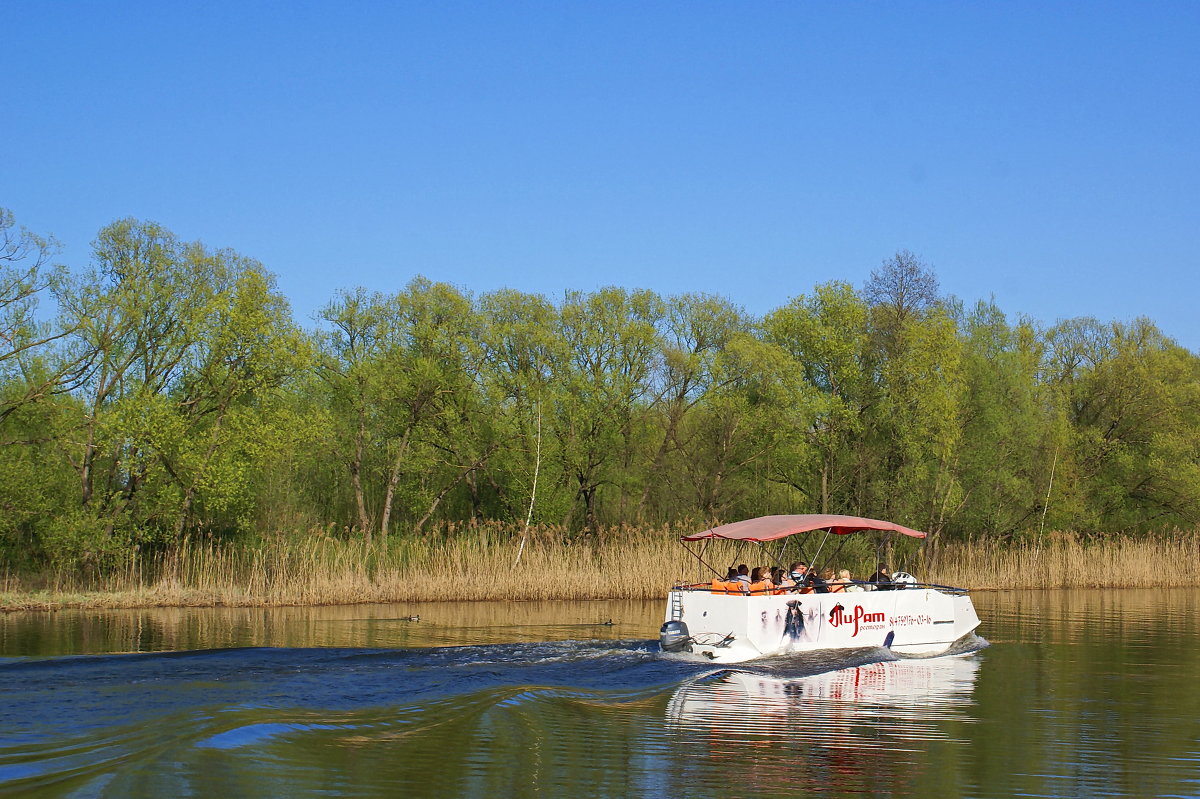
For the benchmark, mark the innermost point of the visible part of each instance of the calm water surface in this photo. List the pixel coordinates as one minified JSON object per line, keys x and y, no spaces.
{"x":1075,"y":694}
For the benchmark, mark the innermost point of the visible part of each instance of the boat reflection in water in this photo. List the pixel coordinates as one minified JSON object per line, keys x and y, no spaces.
{"x":851,"y":729}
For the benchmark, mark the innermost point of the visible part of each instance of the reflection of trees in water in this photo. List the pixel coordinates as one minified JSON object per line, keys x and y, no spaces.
{"x":1109,"y":673}
{"x":442,"y":624}
{"x":1166,"y":614}
{"x":854,"y":729}
{"x":1087,"y":693}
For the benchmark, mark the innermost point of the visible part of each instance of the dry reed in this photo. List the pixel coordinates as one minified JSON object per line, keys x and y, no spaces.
{"x":1072,"y":560}
{"x":477,"y":564}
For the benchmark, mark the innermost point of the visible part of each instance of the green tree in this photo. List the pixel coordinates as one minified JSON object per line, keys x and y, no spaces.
{"x":1134,"y":407}
{"x":1011,"y":431}
{"x":913,"y":428}
{"x":351,"y":350}
{"x":520,"y":345}
{"x":601,"y":386}
{"x":828,"y":337}
{"x":754,"y":416}
{"x":402,"y":371}
{"x":437,"y":432}
{"x":696,"y":329}
{"x":137,"y":313}
{"x":176,"y":338}
{"x":246,"y":348}
{"x":26,"y":275}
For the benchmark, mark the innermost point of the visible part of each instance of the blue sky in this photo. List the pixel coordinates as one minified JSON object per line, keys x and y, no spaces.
{"x":1043,"y":154}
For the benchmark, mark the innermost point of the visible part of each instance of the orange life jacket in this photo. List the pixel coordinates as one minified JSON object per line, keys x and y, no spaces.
{"x":761,"y":588}
{"x":727,"y":587}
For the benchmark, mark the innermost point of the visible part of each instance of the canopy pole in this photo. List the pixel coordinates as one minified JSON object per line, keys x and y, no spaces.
{"x":820,"y":547}
{"x":836,"y":551}
{"x":699,"y":556}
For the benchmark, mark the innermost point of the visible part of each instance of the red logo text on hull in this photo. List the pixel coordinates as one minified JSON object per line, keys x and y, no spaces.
{"x":838,"y":616}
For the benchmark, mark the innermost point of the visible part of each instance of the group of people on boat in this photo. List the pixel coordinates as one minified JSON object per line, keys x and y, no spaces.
{"x":798,"y":579}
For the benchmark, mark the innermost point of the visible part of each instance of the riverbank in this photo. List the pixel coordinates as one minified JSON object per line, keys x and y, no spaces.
{"x":317,"y":569}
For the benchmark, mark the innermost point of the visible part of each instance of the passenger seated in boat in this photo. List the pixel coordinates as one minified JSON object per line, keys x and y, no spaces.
{"x":798,"y":571}
{"x":882,"y":578}
{"x":847,"y":582}
{"x":743,"y":577}
{"x":729,"y":585}
{"x":837,"y":584}
{"x":760,"y":581}
{"x":818,"y":581}
{"x":780,"y":580}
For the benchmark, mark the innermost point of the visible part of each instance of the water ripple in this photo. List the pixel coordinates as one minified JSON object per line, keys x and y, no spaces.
{"x":105,"y":724}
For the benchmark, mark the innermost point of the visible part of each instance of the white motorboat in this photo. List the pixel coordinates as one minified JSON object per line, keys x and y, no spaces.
{"x":730,"y":624}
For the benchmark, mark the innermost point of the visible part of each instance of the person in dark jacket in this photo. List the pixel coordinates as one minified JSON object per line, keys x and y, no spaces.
{"x":882,"y":578}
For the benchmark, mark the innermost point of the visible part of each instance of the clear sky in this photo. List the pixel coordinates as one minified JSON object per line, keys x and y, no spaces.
{"x":1046,"y":154}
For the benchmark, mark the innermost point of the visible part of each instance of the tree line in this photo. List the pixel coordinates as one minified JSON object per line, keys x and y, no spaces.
{"x":172,"y":394}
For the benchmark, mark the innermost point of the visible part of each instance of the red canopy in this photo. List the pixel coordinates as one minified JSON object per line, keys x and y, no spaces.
{"x":769,"y":528}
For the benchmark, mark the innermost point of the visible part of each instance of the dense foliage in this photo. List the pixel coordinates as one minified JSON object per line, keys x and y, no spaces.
{"x":173,"y":395}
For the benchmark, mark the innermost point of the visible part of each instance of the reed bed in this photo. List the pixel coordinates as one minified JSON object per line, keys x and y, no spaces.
{"x":1073,"y":560}
{"x":626,"y":563}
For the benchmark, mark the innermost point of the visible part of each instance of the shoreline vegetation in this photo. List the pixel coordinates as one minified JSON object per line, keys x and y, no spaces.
{"x":478,"y":565}
{"x":171,"y":435}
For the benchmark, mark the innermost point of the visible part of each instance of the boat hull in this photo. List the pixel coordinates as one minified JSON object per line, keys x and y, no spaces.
{"x":730,"y":628}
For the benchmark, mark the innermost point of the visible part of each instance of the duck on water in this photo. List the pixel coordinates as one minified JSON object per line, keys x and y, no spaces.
{"x":730,"y":622}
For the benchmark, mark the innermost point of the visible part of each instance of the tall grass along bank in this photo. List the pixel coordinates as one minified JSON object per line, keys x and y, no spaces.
{"x":481,"y":564}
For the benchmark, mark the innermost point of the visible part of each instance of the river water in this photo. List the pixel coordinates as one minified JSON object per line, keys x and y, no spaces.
{"x":1067,"y":694}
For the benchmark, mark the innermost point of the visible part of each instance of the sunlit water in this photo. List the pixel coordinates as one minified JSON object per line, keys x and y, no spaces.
{"x":1078,"y":694}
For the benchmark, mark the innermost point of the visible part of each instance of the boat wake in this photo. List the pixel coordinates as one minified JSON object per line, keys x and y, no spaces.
{"x":275,"y":720}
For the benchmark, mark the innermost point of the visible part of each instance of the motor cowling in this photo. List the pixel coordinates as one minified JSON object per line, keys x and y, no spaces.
{"x":673,"y":637}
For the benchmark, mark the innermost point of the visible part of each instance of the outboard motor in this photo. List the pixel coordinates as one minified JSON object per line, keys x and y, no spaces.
{"x":673,"y":637}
